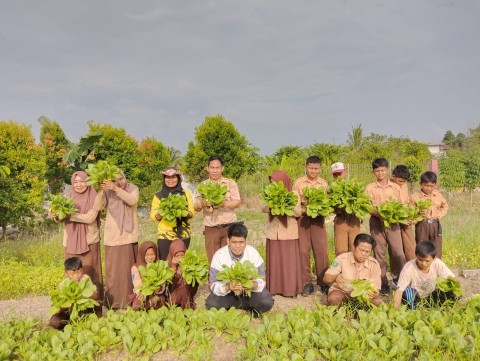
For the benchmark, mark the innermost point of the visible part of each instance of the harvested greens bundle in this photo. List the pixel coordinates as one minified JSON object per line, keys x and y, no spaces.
{"x":317,"y":202}
{"x":239,"y":273}
{"x":351,"y":197}
{"x":212,"y":192}
{"x":194,"y":268}
{"x":279,"y":199}
{"x":101,"y":171}
{"x":360,"y":291}
{"x":392,"y":211}
{"x":74,"y":296}
{"x":420,"y":205}
{"x":61,"y":206}
{"x":449,"y":284}
{"x":172,"y":207}
{"x":154,"y":275}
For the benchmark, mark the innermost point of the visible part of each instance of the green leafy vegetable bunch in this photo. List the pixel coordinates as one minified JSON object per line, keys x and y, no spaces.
{"x":414,"y":210}
{"x":194,"y":268}
{"x":393,"y":211}
{"x":212,"y":192}
{"x":74,"y":296}
{"x":361,"y":289}
{"x":61,"y":206}
{"x":154,"y":275}
{"x":100,"y":172}
{"x":239,"y":273}
{"x":449,"y":284}
{"x":279,"y":199}
{"x":317,"y":202}
{"x":350,"y":196}
{"x":172,"y":207}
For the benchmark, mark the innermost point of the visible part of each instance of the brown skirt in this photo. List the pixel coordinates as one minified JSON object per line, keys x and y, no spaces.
{"x":283,"y":267}
{"x":92,"y":265}
{"x":181,"y":293}
{"x":118,"y":263}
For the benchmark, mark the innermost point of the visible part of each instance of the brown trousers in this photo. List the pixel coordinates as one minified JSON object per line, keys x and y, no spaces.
{"x":346,"y":227}
{"x":215,"y":238}
{"x":336,"y":297}
{"x":432,"y":232}
{"x":409,"y":244}
{"x":392,"y":237}
{"x":313,"y":236}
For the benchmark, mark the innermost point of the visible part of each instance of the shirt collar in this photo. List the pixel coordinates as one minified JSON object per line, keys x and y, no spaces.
{"x":365,"y":264}
{"x":233,"y":257}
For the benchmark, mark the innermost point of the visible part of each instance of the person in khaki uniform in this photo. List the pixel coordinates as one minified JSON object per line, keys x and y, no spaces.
{"x":345,"y":226}
{"x":400,"y":176}
{"x":312,"y":231}
{"x":430,"y":229}
{"x":381,"y":191}
{"x":350,"y":266}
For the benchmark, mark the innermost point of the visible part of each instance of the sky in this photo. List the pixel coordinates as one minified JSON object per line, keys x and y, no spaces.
{"x":283,"y":72}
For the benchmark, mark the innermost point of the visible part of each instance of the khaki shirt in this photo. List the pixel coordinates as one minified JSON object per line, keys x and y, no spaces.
{"x":90,"y":219}
{"x":276,"y":230}
{"x":304,"y":182}
{"x":222,"y":215}
{"x":380,"y":194}
{"x":344,"y":264}
{"x":439,"y":206}
{"x":404,"y":197}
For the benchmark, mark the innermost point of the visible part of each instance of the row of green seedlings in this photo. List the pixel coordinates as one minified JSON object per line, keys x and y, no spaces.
{"x":326,"y":333}
{"x":345,"y":195}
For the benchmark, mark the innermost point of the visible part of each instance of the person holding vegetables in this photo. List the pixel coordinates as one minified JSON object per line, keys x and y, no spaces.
{"x":170,"y":199}
{"x":236,"y":276}
{"x":217,"y":197}
{"x":351,"y":266}
{"x":284,"y":272}
{"x":312,"y":233}
{"x":380,"y":192}
{"x":122,"y":232}
{"x":81,"y":235}
{"x":430,"y":228}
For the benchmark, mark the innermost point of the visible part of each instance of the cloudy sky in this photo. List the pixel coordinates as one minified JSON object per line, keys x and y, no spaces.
{"x":284,"y":72}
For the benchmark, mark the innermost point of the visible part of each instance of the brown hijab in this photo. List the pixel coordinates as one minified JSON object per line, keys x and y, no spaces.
{"x":120,"y":211}
{"x":176,"y":246}
{"x":142,"y":249}
{"x":277,"y":176}
{"x":77,"y":232}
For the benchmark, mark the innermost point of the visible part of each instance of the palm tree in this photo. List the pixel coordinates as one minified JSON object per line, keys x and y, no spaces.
{"x":355,"y":138}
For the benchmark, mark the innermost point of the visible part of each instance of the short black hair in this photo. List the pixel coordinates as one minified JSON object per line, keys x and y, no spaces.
{"x":401,"y":171}
{"x":379,"y":162}
{"x":237,"y":230}
{"x":428,"y":177}
{"x":364,"y":238}
{"x":313,"y":159}
{"x":425,"y":248}
{"x":73,"y":264}
{"x":215,"y":157}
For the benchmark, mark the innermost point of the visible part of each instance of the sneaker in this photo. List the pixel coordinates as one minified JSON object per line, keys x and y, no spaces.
{"x":324,"y":289}
{"x":385,"y":290}
{"x":307,"y":290}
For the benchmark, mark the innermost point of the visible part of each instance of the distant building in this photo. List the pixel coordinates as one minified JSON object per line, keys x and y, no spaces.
{"x":437,"y":149}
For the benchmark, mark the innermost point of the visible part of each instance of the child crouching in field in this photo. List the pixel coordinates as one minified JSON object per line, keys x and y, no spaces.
{"x":73,"y":272}
{"x":430,"y":228}
{"x":147,"y":253}
{"x":417,"y":279}
{"x":181,"y":293}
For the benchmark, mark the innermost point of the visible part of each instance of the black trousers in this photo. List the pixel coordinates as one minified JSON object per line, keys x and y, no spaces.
{"x":259,"y":302}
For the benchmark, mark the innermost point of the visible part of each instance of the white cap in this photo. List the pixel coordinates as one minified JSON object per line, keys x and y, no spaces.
{"x":338,"y":167}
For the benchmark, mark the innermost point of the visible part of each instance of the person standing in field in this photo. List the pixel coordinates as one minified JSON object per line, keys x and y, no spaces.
{"x":345,"y":226}
{"x":284,"y":270}
{"x":430,"y":229}
{"x":168,"y":232}
{"x":81,"y":235}
{"x":400,"y":176}
{"x":312,"y":231}
{"x":380,"y":192}
{"x":122,"y":232}
{"x":217,"y":219}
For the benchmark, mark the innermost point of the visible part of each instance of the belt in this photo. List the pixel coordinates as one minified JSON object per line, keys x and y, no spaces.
{"x":431,"y":220}
{"x":225,"y":225}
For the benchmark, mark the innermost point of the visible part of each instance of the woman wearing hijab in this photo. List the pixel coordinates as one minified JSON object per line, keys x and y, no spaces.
{"x":181,"y":293}
{"x":283,"y":253}
{"x":147,"y":253}
{"x":120,"y":199}
{"x":81,"y":236}
{"x":180,"y":229}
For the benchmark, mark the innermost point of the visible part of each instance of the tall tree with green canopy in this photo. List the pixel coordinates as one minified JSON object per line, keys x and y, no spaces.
{"x":154,"y":157}
{"x":218,"y":136}
{"x":21,"y":191}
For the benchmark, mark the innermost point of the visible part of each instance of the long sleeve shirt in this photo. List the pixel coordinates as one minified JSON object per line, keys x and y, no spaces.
{"x":225,"y":257}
